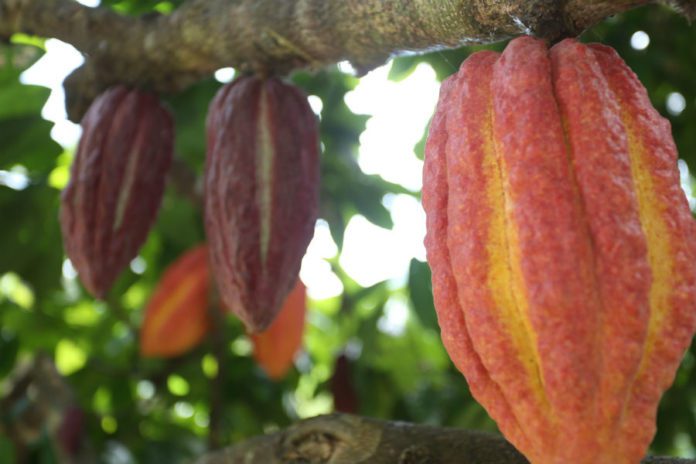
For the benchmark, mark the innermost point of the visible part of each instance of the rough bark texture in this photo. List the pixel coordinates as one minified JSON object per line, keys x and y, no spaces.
{"x":346,"y":439}
{"x":169,"y":52}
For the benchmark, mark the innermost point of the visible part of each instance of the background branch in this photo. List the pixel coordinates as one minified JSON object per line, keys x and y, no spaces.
{"x":343,"y":439}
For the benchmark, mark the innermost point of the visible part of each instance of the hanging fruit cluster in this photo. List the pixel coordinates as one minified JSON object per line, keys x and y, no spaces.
{"x":179,"y":316}
{"x":560,"y":241}
{"x":261,"y":202}
{"x":562,"y":248}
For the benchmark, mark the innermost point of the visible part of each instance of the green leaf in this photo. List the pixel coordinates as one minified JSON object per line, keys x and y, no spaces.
{"x":30,"y":244}
{"x":25,"y":137}
{"x":190,"y":109}
{"x":19,"y":99}
{"x":402,"y":67}
{"x":7,"y":450}
{"x":26,"y":141}
{"x":9,"y":346}
{"x":367,"y":202}
{"x":420,"y":289}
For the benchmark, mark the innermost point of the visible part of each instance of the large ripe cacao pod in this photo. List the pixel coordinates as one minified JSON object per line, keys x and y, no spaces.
{"x":116,"y":184}
{"x":562,"y":248}
{"x":177,"y":315}
{"x":261,"y":193}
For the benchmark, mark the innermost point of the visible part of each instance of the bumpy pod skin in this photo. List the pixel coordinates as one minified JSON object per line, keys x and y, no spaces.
{"x":262,"y":193}
{"x":116,"y":184}
{"x":561,"y":246}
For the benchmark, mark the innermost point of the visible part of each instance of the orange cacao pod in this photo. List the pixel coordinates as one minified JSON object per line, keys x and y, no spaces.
{"x":261,"y":198}
{"x":275,"y":348}
{"x":176,"y":318}
{"x":116,"y":184}
{"x":562,"y":248}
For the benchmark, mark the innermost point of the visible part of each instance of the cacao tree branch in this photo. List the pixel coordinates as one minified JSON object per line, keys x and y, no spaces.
{"x":169,"y":52}
{"x":685,"y":7}
{"x":343,"y":438}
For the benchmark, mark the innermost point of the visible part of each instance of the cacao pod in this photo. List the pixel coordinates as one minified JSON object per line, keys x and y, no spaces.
{"x":70,"y":434}
{"x":562,"y":248}
{"x":275,"y":348}
{"x":345,"y":396}
{"x":176,"y":318}
{"x":261,"y":193}
{"x":116,"y":184}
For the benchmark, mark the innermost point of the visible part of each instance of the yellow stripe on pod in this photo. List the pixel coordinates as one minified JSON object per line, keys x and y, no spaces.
{"x":451,"y":314}
{"x":549,"y":251}
{"x":475,"y":244}
{"x":599,"y":154}
{"x":264,"y":173}
{"x":669,"y":229}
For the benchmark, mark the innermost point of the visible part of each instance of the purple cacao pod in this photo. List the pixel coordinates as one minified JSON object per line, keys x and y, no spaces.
{"x":262,"y":193}
{"x":116,"y":184}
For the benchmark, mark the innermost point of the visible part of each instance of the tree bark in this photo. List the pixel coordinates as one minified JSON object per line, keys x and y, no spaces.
{"x":167,"y":53}
{"x":347,"y":439}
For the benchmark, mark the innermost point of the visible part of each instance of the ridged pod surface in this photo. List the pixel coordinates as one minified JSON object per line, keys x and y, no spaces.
{"x":116,"y":184}
{"x":262,"y":193}
{"x":562,"y":248}
{"x":176,"y":317}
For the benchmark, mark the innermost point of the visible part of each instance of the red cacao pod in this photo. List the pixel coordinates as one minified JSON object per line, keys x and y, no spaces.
{"x":345,"y":396}
{"x":176,"y":317}
{"x":70,"y":434}
{"x":116,"y":184}
{"x":561,"y":246}
{"x":261,"y":193}
{"x":275,"y":348}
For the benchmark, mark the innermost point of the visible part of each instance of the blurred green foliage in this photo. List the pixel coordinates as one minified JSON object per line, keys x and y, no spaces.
{"x":159,"y":411}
